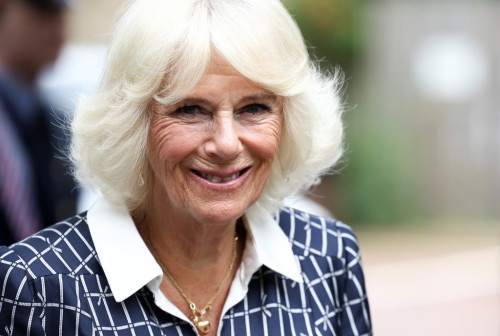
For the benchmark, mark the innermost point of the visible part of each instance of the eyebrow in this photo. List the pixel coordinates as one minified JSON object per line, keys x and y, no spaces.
{"x":266,"y":96}
{"x":263,"y":96}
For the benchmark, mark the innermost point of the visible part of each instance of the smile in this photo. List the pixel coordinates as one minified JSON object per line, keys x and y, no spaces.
{"x":220,"y":179}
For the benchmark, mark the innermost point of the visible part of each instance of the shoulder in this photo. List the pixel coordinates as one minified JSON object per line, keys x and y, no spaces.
{"x":44,"y":277}
{"x":328,"y":253}
{"x":63,"y":248}
{"x":319,"y":236}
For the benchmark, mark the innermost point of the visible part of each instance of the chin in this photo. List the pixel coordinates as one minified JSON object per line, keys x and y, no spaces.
{"x":220,"y":215}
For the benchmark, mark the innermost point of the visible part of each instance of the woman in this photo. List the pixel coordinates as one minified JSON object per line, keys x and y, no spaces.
{"x":209,"y":114}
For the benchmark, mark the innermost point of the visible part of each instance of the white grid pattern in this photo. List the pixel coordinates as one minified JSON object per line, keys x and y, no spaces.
{"x":52,"y":284}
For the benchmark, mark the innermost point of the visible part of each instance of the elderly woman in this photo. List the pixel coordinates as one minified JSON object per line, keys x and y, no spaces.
{"x":209,"y":114}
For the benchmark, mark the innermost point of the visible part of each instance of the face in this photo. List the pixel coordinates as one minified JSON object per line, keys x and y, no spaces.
{"x":212,"y":152}
{"x":35,"y":37}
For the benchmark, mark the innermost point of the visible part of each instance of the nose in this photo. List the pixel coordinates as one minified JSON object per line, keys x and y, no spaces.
{"x":224,"y":141}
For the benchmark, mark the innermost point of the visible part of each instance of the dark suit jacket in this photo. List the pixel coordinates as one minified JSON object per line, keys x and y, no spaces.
{"x":44,"y":142}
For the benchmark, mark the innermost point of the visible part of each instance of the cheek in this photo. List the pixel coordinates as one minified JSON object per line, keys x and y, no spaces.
{"x":268,"y":139}
{"x":169,"y":141}
{"x":172,"y":140}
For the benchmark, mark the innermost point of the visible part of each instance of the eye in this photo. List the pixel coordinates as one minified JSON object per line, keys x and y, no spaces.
{"x":189,"y":109}
{"x":255,"y":108}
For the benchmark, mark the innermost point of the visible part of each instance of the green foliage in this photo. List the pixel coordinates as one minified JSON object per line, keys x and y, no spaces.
{"x":379,"y":182}
{"x":329,"y":28}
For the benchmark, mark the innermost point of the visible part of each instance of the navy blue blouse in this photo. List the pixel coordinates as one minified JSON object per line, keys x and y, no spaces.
{"x":53,"y":284}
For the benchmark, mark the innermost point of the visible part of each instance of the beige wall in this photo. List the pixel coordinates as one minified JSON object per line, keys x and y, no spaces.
{"x":90,"y":21}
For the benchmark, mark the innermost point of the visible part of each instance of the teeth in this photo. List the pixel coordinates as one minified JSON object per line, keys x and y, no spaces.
{"x":214,"y":179}
{"x":230,"y":178}
{"x":217,"y":179}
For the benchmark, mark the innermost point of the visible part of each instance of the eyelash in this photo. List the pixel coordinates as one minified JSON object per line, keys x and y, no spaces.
{"x":261,"y":107}
{"x":189,"y":109}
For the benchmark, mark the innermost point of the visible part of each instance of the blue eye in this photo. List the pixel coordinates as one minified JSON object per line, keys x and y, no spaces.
{"x":255,"y":108}
{"x":189,"y":109}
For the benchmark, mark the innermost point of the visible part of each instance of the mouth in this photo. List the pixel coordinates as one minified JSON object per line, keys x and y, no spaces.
{"x":219,"y":178}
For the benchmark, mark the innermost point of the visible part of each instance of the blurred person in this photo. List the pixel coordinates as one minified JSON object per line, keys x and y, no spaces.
{"x":209,"y":114}
{"x":35,"y":190}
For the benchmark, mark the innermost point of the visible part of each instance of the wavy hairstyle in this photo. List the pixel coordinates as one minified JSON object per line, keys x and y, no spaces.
{"x":159,"y":51}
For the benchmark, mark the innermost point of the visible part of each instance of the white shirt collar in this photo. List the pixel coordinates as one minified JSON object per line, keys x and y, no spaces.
{"x":124,"y":257}
{"x":129,"y":265}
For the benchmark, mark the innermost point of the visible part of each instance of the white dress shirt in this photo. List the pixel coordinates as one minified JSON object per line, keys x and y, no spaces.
{"x":129,"y":265}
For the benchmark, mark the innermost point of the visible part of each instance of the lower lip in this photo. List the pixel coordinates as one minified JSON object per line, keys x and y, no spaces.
{"x":222,"y":186}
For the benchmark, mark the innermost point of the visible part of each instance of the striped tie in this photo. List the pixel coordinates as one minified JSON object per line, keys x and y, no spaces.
{"x":16,"y":194}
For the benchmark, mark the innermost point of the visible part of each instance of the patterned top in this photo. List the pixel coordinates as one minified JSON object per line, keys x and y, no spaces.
{"x":53,"y":283}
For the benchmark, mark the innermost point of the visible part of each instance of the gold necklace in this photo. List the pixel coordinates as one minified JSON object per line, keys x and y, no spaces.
{"x":197,"y":316}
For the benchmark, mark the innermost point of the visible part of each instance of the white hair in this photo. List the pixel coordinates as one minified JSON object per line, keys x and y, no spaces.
{"x":159,"y":51}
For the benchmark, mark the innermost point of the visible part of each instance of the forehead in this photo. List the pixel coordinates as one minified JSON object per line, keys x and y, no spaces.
{"x":219,"y":66}
{"x":222,"y":80}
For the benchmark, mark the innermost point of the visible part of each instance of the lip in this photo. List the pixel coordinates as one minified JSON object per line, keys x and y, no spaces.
{"x":221,"y":179}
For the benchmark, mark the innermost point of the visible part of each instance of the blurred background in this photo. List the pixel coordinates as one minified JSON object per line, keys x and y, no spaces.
{"x":420,"y":181}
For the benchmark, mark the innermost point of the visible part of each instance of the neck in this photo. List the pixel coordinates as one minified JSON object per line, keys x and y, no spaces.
{"x":185,"y":243}
{"x":201,"y":258}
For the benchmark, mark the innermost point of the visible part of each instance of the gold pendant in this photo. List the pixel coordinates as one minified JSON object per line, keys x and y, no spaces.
{"x":203,"y":326}
{"x":199,"y":322}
